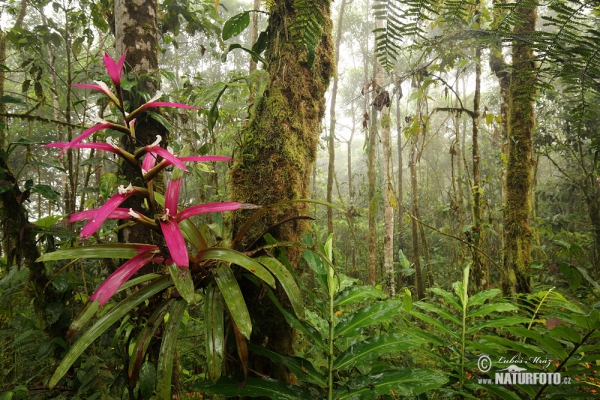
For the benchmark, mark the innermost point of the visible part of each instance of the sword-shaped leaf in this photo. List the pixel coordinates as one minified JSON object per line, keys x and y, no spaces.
{"x":214,"y":331}
{"x":88,"y":337}
{"x":234,"y":299}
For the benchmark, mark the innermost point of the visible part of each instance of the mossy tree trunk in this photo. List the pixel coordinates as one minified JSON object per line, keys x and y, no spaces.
{"x":480,"y":274}
{"x":277,"y":151}
{"x":136,"y":31}
{"x":516,"y":277}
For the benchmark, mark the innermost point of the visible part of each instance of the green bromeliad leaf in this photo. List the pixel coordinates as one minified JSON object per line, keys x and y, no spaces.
{"x":235,"y":257}
{"x":88,"y":337}
{"x":168,"y":346}
{"x":214,"y":331}
{"x":116,"y":250}
{"x":357,"y":294}
{"x":287,"y":281}
{"x":234,"y":299}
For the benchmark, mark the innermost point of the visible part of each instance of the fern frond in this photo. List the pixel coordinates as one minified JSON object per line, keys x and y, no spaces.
{"x":307,"y":27}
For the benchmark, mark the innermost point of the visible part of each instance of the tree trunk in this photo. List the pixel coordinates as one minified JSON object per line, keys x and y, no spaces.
{"x":332,"y":121}
{"x":388,"y":188}
{"x":419,"y":287}
{"x":277,"y":151}
{"x":516,"y":277}
{"x":136,"y":32}
{"x":480,"y":272}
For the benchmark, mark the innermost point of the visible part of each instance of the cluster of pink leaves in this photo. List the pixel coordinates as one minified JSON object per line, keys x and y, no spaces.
{"x":169,"y":221}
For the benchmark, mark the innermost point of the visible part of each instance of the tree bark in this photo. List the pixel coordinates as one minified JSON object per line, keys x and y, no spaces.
{"x":516,"y":277}
{"x":480,"y":272}
{"x":136,"y":32}
{"x":277,"y":151}
{"x":332,"y":121}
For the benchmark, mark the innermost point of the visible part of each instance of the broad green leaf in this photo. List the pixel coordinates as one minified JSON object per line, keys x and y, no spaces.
{"x":449,"y":297}
{"x":404,"y":382}
{"x":452,"y":331}
{"x":566,"y":333}
{"x":167,"y":350}
{"x":482,"y":297}
{"x":235,"y":25}
{"x":88,"y":337}
{"x":147,"y":380}
{"x":253,"y":387}
{"x":527,"y":349}
{"x":145,"y":336}
{"x":304,"y":370}
{"x":404,"y":263}
{"x":357,"y":294}
{"x":115,"y":250}
{"x":108,"y":181}
{"x":368,"y":350}
{"x":304,"y":327}
{"x":499,"y":322}
{"x":437,"y":311}
{"x":487,"y":309}
{"x":288,"y":283}
{"x":315,"y":263}
{"x":234,"y":299}
{"x":376,"y":313}
{"x":48,"y":221}
{"x":6,"y":99}
{"x":46,"y":192}
{"x":182,"y":279}
{"x":214,"y":331}
{"x":407,"y":301}
{"x":213,"y":113}
{"x":161,"y":120}
{"x":235,"y":257}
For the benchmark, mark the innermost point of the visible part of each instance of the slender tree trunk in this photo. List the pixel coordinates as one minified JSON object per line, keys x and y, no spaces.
{"x":480,"y":272}
{"x":516,"y":276}
{"x":388,"y":189}
{"x":332,"y":121}
{"x":254,"y":36}
{"x":400,"y":191}
{"x":276,"y":156}
{"x":419,"y":287}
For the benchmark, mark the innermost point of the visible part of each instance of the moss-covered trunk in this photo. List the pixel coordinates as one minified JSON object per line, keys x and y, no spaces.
{"x":136,"y":32}
{"x":519,"y":172}
{"x":277,"y":150}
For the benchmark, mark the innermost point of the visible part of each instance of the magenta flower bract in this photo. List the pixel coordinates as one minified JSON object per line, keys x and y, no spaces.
{"x":117,"y":213}
{"x":169,"y":222}
{"x":114,"y":282}
{"x":98,"y":146}
{"x":114,"y":69}
{"x":85,"y":134}
{"x":107,"y":208}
